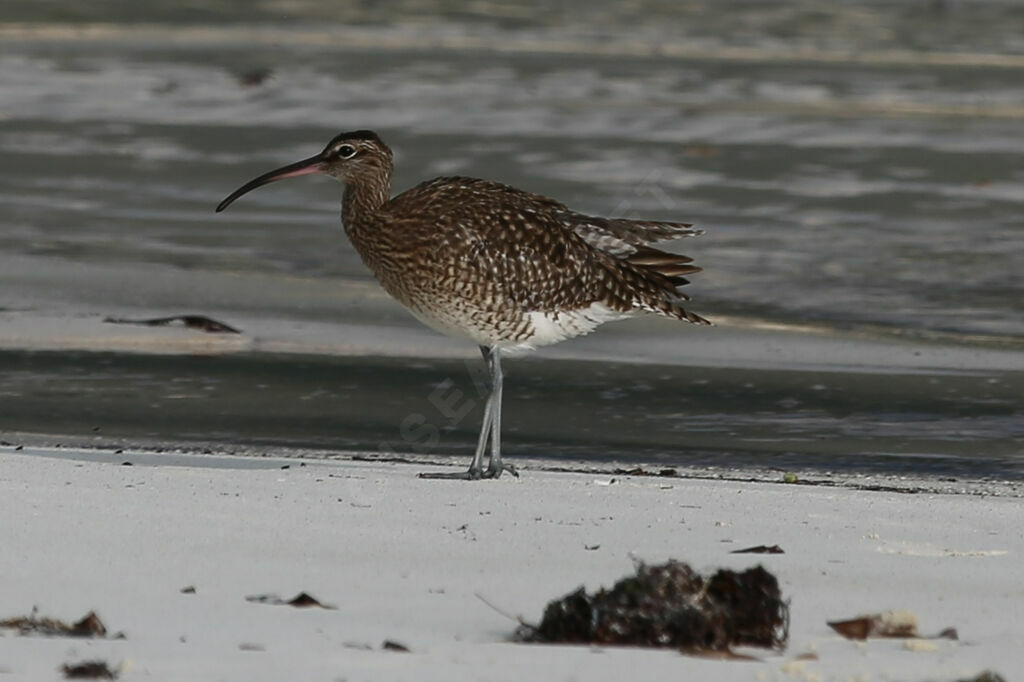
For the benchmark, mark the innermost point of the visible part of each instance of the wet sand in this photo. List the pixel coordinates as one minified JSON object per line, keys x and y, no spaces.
{"x":405,"y":559}
{"x":739,"y":395}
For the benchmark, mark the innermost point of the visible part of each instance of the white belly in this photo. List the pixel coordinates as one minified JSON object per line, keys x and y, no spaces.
{"x":551,"y":328}
{"x":522,"y":332}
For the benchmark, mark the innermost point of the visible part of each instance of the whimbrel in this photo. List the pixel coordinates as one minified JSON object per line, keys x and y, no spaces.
{"x":503,"y":268}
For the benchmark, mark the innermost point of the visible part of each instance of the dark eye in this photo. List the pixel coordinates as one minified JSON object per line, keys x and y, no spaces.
{"x":346,"y":151}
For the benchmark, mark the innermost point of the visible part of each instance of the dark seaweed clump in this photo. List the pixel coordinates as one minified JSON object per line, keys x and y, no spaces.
{"x":89,"y":626}
{"x":671,"y":605}
{"x":90,"y":670}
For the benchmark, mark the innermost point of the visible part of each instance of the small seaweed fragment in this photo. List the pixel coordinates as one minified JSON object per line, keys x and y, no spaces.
{"x":255,"y":76}
{"x":985,"y":676}
{"x":304,"y":600}
{"x":887,"y":624}
{"x":88,"y":670}
{"x":890,"y":624}
{"x":301,"y":600}
{"x":671,"y":605}
{"x":759,"y":549}
{"x":89,"y":625}
{"x":640,"y":471}
{"x":198,"y":322}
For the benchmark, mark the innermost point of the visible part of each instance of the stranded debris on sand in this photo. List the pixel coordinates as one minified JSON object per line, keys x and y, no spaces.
{"x":987,"y":676}
{"x":301,"y":600}
{"x":199,"y":322}
{"x":759,"y":549}
{"x":640,"y":471}
{"x":89,"y":625}
{"x":671,"y":605}
{"x":892,"y":624}
{"x":89,"y":670}
{"x":392,"y":645}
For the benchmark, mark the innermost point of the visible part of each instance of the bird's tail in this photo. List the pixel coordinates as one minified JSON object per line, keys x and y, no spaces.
{"x":660,"y":274}
{"x":650,"y":278}
{"x":656,"y":276}
{"x":672,"y":267}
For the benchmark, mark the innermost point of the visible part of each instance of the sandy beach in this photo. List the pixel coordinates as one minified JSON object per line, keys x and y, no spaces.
{"x":857,"y":170}
{"x":408,"y":560}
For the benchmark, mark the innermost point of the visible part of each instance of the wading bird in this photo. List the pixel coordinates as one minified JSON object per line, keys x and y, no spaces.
{"x":503,"y":268}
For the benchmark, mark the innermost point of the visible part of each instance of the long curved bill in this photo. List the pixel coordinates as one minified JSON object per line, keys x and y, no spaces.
{"x":314,"y":164}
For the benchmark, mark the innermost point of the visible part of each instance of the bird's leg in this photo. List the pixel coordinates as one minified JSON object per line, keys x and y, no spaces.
{"x":495,"y":468}
{"x":476,"y":467}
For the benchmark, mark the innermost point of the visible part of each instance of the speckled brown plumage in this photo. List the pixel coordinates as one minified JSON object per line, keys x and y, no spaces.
{"x":499,"y":266}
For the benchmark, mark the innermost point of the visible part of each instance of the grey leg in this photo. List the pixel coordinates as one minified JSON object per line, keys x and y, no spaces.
{"x":495,"y":468}
{"x":489,"y":429}
{"x":476,"y":467}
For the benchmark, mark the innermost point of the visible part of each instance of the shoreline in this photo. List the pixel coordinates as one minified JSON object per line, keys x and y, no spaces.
{"x":221,"y":455}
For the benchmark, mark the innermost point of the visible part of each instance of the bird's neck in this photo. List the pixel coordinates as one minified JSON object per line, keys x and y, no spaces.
{"x":363,"y":198}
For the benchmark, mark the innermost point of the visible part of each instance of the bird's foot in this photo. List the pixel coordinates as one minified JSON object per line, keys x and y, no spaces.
{"x":496,"y":471}
{"x":472,"y":474}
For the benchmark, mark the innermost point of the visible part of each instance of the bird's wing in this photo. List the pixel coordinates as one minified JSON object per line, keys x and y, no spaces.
{"x":622,"y":237}
{"x":538,"y":255}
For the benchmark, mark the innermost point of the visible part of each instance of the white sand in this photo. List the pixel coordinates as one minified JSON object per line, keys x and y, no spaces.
{"x":402,"y":559}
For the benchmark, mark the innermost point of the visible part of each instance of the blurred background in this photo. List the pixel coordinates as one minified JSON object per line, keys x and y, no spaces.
{"x":858,"y":168}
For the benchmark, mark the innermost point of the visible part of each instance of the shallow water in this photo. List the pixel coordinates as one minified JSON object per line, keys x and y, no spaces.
{"x":859,"y":170}
{"x":954,"y":425}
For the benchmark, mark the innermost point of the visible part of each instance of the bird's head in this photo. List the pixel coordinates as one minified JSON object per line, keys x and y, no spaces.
{"x":349,"y":157}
